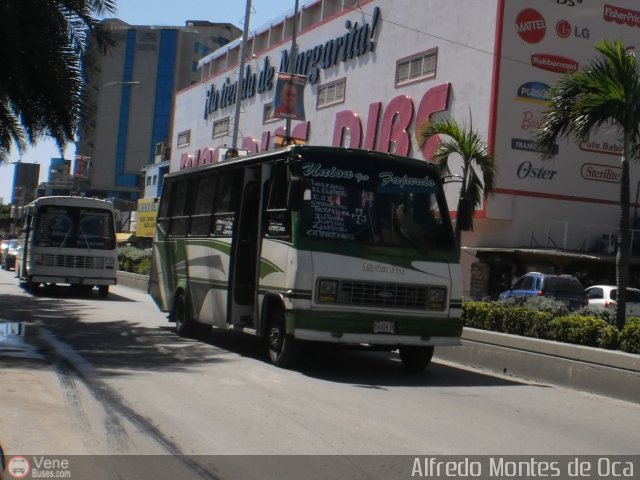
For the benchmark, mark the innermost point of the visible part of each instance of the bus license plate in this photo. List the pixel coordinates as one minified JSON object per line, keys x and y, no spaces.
{"x":384,"y":326}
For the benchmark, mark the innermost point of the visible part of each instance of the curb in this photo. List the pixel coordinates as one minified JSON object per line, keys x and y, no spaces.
{"x":133,"y":280}
{"x":604,"y":372}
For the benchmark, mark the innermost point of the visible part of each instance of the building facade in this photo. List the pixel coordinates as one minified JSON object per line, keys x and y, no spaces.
{"x":129,"y":93}
{"x":376,"y":69}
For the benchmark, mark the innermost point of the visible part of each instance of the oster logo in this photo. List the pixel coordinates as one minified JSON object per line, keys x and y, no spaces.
{"x":563,"y":29}
{"x":621,"y":16}
{"x":554,"y":63}
{"x":530,"y":25}
{"x":534,"y":92}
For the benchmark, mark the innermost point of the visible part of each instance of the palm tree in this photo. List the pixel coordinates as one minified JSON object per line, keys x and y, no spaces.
{"x":605,"y":91}
{"x":478,"y":169}
{"x":42,"y":43}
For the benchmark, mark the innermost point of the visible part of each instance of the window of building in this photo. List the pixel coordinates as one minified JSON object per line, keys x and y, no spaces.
{"x":155,"y":179}
{"x":148,"y":181}
{"x":184,"y":138}
{"x":267,"y":113}
{"x":221,"y":127}
{"x":417,"y":67}
{"x":331,"y":93}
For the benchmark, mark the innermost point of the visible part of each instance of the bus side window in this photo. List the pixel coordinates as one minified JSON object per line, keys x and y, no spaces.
{"x":180,"y":210}
{"x":202,"y":212}
{"x":227,"y":201}
{"x":277,"y":222}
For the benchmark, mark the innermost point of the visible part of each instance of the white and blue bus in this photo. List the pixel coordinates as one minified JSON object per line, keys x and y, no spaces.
{"x":315,"y":244}
{"x":68,"y":240}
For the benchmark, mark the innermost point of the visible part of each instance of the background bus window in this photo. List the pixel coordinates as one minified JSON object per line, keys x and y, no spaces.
{"x":202,"y":211}
{"x":167,"y":199}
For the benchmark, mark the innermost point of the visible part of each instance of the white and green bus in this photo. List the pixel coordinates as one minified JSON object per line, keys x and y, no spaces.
{"x":310,"y":243}
{"x":68,"y":240}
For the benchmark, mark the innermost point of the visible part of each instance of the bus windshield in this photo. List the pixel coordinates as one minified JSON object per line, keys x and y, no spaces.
{"x":74,"y":227}
{"x":362,"y":200}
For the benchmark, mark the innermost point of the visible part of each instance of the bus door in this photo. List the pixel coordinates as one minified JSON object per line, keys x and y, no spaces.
{"x":245,"y":257}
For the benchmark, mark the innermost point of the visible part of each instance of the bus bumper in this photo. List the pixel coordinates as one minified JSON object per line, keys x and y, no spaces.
{"x":72,"y":280}
{"x":362,"y":328}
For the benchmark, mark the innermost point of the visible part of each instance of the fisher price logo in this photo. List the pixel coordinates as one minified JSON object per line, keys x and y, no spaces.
{"x":530,"y":25}
{"x":554,"y":63}
{"x":621,"y":15}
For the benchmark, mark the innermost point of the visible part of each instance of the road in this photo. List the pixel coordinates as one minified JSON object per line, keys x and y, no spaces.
{"x":91,"y":376}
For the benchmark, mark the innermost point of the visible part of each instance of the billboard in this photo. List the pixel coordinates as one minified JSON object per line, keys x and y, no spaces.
{"x":147,"y":216}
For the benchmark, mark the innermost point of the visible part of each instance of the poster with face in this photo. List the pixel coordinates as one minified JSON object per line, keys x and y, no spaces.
{"x":289,"y":97}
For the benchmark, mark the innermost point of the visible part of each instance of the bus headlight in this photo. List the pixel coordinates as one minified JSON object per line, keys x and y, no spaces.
{"x":437,"y":298}
{"x":38,"y":259}
{"x":327,"y":291}
{"x":109,"y":263}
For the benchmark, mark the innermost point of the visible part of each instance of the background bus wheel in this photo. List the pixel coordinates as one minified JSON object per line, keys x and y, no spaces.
{"x":416,"y":358}
{"x":284,"y":351}
{"x":103,"y":291}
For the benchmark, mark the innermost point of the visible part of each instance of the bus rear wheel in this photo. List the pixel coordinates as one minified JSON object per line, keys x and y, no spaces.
{"x":416,"y":358}
{"x":284,"y":351}
{"x":179,"y":314}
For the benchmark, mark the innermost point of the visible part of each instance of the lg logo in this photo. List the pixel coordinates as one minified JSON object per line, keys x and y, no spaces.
{"x":568,"y":3}
{"x":564,"y":30}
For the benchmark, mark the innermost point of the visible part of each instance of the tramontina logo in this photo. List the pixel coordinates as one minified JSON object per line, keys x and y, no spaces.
{"x":18,"y":467}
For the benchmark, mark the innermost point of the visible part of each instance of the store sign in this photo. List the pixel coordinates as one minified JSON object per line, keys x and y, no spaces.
{"x":358,"y":41}
{"x":601,"y":173}
{"x":554,"y":63}
{"x":530,"y":25}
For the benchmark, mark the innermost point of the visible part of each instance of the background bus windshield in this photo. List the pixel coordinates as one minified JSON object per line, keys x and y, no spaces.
{"x":74,"y":227}
{"x":369,"y":202}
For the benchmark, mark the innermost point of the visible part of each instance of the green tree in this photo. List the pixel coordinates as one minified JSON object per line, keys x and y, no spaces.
{"x":605,"y":91}
{"x":42,"y":43}
{"x":478,"y":168}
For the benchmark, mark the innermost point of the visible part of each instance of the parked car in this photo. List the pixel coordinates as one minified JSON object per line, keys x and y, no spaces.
{"x":7,"y":258}
{"x":604,"y":297}
{"x":565,"y":288}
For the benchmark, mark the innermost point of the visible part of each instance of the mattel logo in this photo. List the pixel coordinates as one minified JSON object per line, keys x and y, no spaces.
{"x":554,"y":63}
{"x":530,"y":25}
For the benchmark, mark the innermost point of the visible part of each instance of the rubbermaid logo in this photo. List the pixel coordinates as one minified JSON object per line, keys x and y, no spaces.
{"x":621,"y":16}
{"x":535,"y":92}
{"x":554,"y":63}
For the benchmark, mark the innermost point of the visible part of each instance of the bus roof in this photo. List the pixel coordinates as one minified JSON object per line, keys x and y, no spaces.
{"x":73,"y":201}
{"x":284,"y":152}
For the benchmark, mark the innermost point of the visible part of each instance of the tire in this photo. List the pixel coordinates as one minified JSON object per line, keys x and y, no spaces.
{"x":184,"y":326}
{"x":103,"y":291}
{"x":284,"y":350}
{"x":416,"y":358}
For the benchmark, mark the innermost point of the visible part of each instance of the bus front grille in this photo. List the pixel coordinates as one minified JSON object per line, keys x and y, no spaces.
{"x":389,"y":295}
{"x":76,"y":261}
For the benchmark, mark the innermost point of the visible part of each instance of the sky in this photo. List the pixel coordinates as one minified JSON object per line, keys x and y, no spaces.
{"x":168,"y":13}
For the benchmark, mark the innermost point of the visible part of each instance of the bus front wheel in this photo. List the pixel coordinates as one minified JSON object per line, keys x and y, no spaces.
{"x":183,"y":325}
{"x":284,"y":351}
{"x":415,"y":358}
{"x":103,"y":291}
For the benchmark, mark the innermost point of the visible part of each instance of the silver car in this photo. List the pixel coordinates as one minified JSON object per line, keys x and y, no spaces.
{"x":605,"y":297}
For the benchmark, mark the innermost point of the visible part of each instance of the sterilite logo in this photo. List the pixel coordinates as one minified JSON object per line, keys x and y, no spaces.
{"x":554,"y":63}
{"x":530,"y":25}
{"x":563,"y":29}
{"x":621,"y":16}
{"x":601,"y":173}
{"x":19,"y":467}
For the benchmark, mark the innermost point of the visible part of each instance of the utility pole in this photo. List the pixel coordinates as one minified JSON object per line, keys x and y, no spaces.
{"x":243,"y":53}
{"x":292,"y":58}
